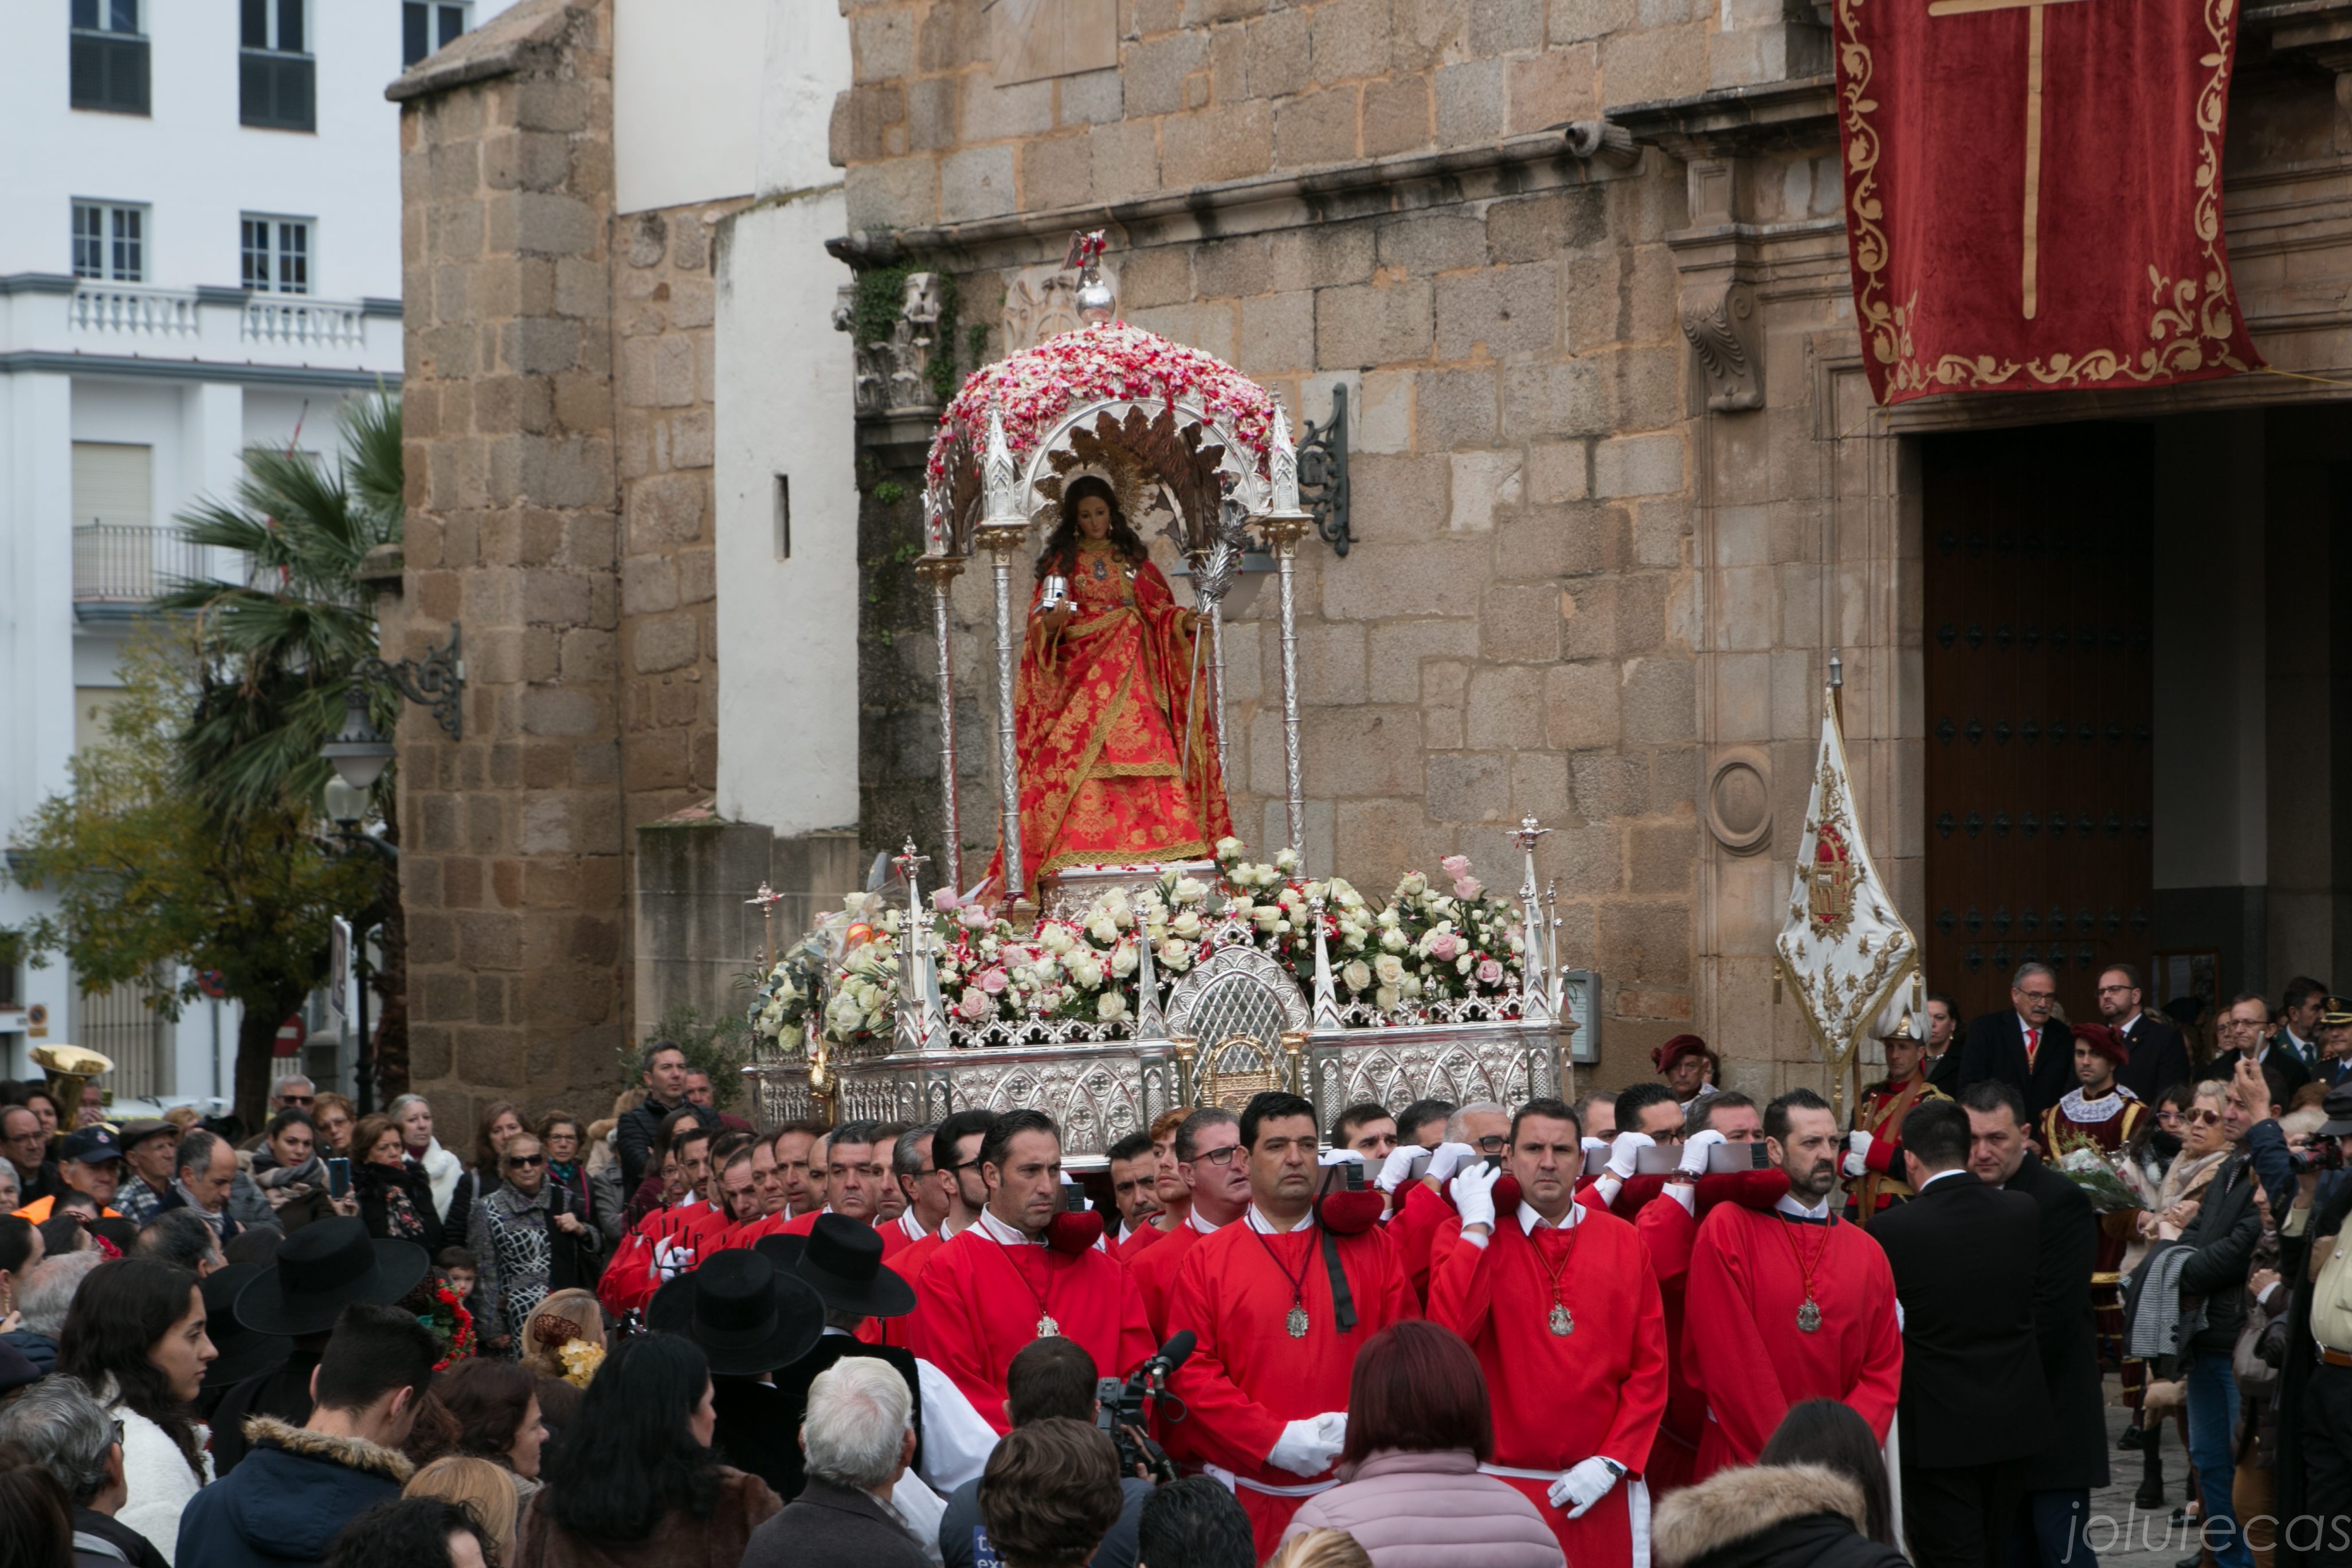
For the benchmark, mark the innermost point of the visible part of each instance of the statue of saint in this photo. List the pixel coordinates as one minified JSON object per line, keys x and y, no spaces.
{"x":1117,"y":747}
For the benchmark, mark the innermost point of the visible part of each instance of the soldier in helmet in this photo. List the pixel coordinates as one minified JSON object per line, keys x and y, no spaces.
{"x":1874,"y":1161}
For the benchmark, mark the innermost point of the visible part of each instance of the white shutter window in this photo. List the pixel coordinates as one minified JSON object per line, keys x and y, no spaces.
{"x":113,"y":483}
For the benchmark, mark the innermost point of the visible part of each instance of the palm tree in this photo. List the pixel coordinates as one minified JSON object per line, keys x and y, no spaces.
{"x":277,"y":654}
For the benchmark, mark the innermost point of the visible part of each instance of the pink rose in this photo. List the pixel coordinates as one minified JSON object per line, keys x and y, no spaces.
{"x":1444,"y":946}
{"x":1455,"y":864}
{"x":943,"y":898}
{"x":990,"y":981}
{"x":1490,"y":972}
{"x":976,"y":1005}
{"x":1467,"y":887}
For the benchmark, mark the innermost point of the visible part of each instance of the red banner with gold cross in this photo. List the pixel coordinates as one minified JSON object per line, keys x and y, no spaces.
{"x":2033,"y":193}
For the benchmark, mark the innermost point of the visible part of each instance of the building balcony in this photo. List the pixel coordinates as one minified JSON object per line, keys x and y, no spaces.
{"x":119,"y":568}
{"x":81,"y":326}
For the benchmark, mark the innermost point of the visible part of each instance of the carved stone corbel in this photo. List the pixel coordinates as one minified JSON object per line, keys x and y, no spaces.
{"x":1719,"y":316}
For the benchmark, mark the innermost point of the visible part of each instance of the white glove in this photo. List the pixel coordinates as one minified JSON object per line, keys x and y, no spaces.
{"x":1694,"y":1160}
{"x":1393,"y":1169}
{"x":1474,"y":1194}
{"x":672,"y":1259}
{"x":1857,"y":1154}
{"x":1309,"y":1446}
{"x":1620,"y":1153}
{"x":1592,"y":1143}
{"x":1450,"y":1158}
{"x":1580,"y":1487}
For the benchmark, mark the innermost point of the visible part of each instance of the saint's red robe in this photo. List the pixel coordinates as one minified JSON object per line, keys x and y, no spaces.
{"x":1741,"y":1345}
{"x":1248,"y":1378}
{"x":978,"y":1303}
{"x":1561,"y":1399}
{"x":1147,"y":1236}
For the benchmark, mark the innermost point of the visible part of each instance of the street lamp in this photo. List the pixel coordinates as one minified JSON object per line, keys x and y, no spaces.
{"x":359,"y":754}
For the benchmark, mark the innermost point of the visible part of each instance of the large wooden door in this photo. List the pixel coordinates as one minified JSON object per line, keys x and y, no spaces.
{"x":2040,"y":761}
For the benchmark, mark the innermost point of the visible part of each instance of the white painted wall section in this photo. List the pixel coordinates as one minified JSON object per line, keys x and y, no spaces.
{"x":686,"y":98}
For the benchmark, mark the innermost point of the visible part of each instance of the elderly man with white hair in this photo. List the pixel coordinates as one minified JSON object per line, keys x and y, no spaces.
{"x":860,"y":1435}
{"x":70,"y":1435}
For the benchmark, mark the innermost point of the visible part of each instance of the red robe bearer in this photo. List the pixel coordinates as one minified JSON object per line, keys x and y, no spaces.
{"x":1249,"y":1377}
{"x":1559,"y":1399}
{"x":985,"y":1294}
{"x":1155,"y":1271}
{"x":1137,"y":1241}
{"x":1744,"y":1345}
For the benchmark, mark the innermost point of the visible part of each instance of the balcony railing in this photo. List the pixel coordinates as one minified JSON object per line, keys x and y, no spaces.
{"x":120,"y":567}
{"x":275,"y":318}
{"x":135,"y":312}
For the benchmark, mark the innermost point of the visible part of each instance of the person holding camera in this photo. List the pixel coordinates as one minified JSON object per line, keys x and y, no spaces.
{"x":1560,"y":1303}
{"x":529,"y":1242}
{"x":1050,"y":1378}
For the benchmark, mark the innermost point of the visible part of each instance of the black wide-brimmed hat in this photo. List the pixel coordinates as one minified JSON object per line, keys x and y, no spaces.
{"x":320,"y":1269}
{"x":2338,"y":1107}
{"x":244,"y":1353}
{"x":842,"y":1258}
{"x":748,"y":1316}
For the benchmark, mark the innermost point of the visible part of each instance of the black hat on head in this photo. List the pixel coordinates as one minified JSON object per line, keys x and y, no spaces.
{"x":320,"y":1269}
{"x":843,"y":1261}
{"x":91,"y":1145}
{"x":748,"y":1317}
{"x":2338,"y":1108}
{"x":244,"y":1353}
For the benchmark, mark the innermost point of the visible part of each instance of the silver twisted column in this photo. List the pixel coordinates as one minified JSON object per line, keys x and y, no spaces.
{"x":999,"y":539}
{"x":940,"y":572}
{"x":1283,"y":532}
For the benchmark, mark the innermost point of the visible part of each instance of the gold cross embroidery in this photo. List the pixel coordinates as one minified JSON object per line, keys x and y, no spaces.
{"x":2032,"y":9}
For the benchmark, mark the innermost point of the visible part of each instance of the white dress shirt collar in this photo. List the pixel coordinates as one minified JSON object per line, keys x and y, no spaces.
{"x":1003,"y":1233}
{"x":1193,"y":1217}
{"x":1265,"y":1226}
{"x":1532,"y":1222}
{"x":1789,"y":1205}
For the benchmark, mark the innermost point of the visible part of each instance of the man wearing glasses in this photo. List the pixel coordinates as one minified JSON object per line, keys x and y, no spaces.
{"x":955,"y":1171}
{"x":2246,"y":1035}
{"x":2025,"y":1048}
{"x":1208,"y":1158}
{"x":2158,"y":1059}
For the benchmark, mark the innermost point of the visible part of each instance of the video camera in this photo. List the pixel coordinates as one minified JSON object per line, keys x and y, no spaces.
{"x":1124,"y":1409}
{"x":2325,"y":1153}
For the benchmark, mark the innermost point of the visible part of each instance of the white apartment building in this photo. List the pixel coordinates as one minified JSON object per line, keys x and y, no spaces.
{"x":199,"y":252}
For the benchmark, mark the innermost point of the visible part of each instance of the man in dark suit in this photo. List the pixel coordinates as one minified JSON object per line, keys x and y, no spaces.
{"x":2024,"y":1047}
{"x":859,"y":1433}
{"x":2246,"y":1035}
{"x":1974,"y":1406}
{"x":841,"y":1260}
{"x":2160,"y":1057}
{"x":2062,"y":1475}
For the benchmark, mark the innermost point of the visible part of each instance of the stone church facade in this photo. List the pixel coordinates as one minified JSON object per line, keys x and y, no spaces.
{"x":1578,"y":268}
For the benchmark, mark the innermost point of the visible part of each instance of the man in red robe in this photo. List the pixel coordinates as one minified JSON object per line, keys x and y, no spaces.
{"x":1559,"y":1302}
{"x":1275,"y":1341}
{"x":1174,"y":1197}
{"x":955,"y":1151}
{"x":1669,"y":1231}
{"x":919,"y":1185}
{"x":857,"y":1174}
{"x":1134,"y":1186}
{"x":1789,"y":1304}
{"x":1217,"y":1189}
{"x":1001,"y":1284}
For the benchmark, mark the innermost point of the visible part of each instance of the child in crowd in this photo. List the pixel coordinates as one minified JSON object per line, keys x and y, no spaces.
{"x":458,"y":1269}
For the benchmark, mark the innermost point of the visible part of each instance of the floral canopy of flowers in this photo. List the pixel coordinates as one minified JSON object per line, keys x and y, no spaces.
{"x":1110,"y":360}
{"x":1429,"y":943}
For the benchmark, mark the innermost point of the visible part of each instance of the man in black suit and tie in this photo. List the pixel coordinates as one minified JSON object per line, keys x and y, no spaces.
{"x":1974,"y":1406}
{"x":2073,"y":1460}
{"x":2160,"y":1057}
{"x":2024,"y":1047}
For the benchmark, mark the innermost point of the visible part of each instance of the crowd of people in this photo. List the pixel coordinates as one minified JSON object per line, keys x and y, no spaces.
{"x":1664,"y":1324}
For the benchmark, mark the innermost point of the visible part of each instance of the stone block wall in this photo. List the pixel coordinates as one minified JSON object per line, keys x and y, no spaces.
{"x":513,"y":836}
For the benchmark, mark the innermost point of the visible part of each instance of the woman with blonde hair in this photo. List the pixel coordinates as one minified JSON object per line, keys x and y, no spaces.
{"x":566,"y":1322}
{"x":486,"y":1488}
{"x":1321,"y":1549}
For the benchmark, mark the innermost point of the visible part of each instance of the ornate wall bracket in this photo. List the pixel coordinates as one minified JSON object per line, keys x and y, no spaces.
{"x":1718,"y":317}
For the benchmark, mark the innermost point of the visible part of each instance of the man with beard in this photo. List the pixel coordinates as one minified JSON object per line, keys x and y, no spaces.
{"x":955,"y":1153}
{"x":2155,"y":1057}
{"x":1134,"y":1183}
{"x":1790,"y":1303}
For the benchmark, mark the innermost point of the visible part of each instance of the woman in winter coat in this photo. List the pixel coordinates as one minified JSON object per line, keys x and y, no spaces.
{"x":395,"y":1199}
{"x":634,"y":1483}
{"x":526,"y":1245}
{"x":1815,"y":1498}
{"x":1419,"y":1426}
{"x":452,"y":1185}
{"x":565,"y":1139}
{"x":136,"y":1339}
{"x":493,"y":1409}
